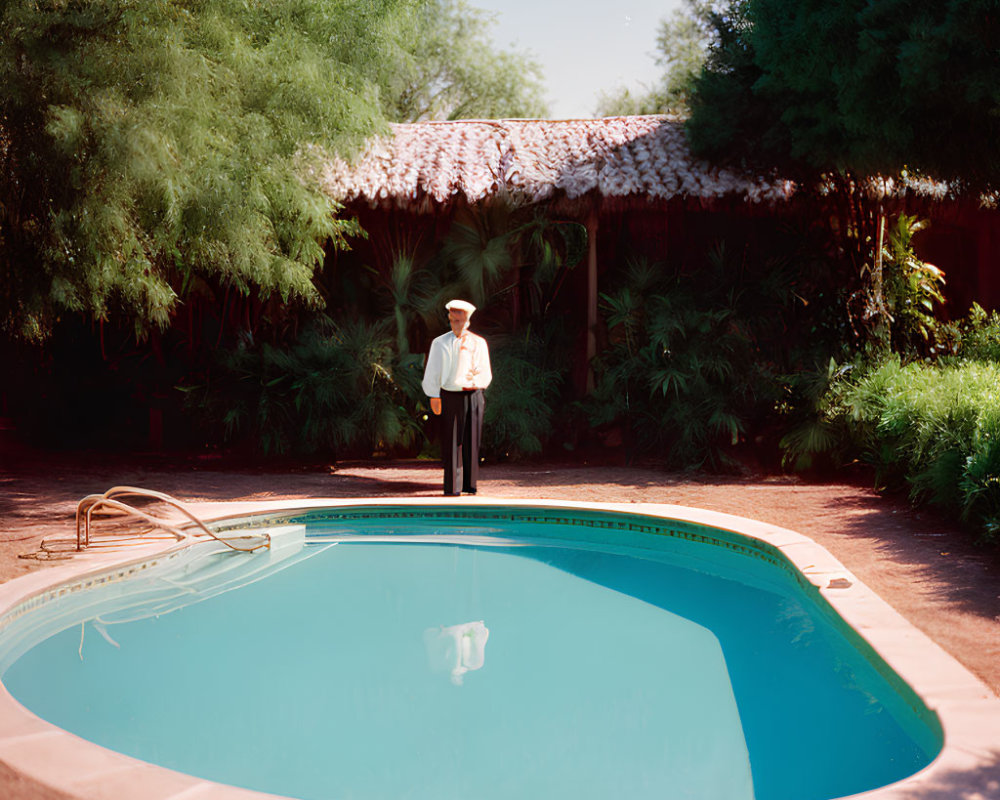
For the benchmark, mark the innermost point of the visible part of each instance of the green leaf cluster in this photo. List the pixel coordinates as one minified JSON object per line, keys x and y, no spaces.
{"x":148,"y":148}
{"x":867,"y":86}
{"x":684,"y":375}
{"x":897,"y":303}
{"x":935,"y":428}
{"x":337,"y":389}
{"x":978,"y":335}
{"x":444,"y":65}
{"x":147,"y":144}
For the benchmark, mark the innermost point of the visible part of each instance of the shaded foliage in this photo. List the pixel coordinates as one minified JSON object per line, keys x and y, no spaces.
{"x":931,"y":428}
{"x":528,"y":374}
{"x":336,"y":389}
{"x":880,"y":86}
{"x":893,"y":311}
{"x":685,"y":375}
{"x":512,"y":261}
{"x":355,"y":388}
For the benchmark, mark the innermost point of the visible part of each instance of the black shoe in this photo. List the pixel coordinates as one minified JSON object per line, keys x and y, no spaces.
{"x":468,"y":491}
{"x":452,"y":494}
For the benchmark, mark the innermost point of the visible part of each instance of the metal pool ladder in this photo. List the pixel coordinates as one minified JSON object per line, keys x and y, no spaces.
{"x":110,"y":500}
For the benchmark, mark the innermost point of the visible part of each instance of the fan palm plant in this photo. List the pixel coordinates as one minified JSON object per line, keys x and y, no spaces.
{"x":679,"y":375}
{"x":336,"y":389}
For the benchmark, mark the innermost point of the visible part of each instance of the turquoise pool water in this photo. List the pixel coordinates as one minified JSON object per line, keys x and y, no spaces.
{"x":487,"y":657}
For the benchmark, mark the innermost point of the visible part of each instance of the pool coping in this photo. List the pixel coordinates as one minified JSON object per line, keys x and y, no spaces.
{"x":969,"y":712}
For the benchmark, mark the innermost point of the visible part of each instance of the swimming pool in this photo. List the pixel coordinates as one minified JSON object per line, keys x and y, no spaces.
{"x":476,"y":650}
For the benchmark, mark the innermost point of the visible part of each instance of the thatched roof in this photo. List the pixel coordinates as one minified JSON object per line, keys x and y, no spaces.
{"x":636,"y":159}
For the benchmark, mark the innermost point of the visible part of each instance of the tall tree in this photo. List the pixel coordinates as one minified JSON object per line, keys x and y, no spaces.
{"x":148,"y":147}
{"x":681,"y":48}
{"x":148,"y":144}
{"x":859,"y":85}
{"x":447,"y":67}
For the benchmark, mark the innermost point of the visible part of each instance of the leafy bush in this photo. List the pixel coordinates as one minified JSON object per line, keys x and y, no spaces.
{"x":520,"y":401}
{"x":934,"y":428}
{"x":979,"y":335}
{"x":683,"y":375}
{"x":913,"y":288}
{"x":338,"y":388}
{"x":815,"y":433}
{"x":896,"y":303}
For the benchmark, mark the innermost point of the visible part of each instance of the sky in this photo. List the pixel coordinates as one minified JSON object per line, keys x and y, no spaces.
{"x":585,"y":47}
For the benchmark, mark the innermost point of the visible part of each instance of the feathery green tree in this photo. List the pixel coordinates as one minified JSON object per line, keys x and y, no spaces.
{"x":148,"y":144}
{"x":147,"y":148}
{"x":447,"y":67}
{"x":682,"y":43}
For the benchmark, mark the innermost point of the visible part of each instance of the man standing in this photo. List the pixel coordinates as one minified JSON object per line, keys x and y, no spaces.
{"x":457,"y":371}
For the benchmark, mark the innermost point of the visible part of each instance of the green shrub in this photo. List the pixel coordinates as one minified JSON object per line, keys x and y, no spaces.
{"x":931,"y":427}
{"x":816,"y":434}
{"x":979,"y":335}
{"x":893,"y":310}
{"x":683,"y":375}
{"x":338,"y":389}
{"x":520,"y":401}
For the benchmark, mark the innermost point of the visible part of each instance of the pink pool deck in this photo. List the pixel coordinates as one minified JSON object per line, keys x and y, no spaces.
{"x":968,"y":766}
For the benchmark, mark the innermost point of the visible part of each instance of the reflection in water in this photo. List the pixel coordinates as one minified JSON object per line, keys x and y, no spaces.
{"x":457,"y":649}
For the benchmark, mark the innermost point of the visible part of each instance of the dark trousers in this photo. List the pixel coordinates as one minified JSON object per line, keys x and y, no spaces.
{"x":461,"y":430}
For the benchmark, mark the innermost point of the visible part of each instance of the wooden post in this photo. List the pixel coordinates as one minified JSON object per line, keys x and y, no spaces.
{"x":591,"y":295}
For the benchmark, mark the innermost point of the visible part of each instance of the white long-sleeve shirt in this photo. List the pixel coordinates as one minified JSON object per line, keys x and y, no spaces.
{"x":456,"y":363}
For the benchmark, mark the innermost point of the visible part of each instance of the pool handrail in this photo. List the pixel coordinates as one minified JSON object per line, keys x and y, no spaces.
{"x":91,"y":503}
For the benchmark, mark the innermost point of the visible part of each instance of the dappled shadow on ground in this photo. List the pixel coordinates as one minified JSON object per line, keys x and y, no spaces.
{"x":982,"y":783}
{"x":932,"y":554}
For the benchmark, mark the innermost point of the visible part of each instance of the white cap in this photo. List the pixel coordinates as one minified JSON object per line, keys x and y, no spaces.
{"x":461,"y":305}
